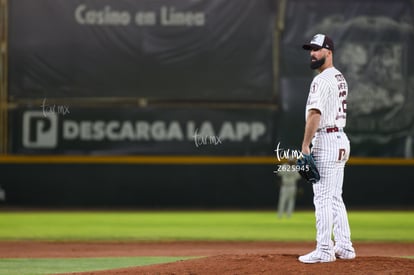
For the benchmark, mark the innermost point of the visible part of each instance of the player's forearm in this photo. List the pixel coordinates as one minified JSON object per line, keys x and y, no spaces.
{"x":312,"y":124}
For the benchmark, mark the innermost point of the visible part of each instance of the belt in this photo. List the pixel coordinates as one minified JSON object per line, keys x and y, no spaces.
{"x":331,"y":129}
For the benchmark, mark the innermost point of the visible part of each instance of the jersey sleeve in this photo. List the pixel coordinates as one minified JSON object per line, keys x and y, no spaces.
{"x":316,"y":95}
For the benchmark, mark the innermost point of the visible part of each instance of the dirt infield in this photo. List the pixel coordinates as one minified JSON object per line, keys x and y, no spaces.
{"x":223,"y":257}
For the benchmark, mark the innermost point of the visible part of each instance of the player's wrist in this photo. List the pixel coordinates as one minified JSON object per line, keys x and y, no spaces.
{"x":305,"y":149}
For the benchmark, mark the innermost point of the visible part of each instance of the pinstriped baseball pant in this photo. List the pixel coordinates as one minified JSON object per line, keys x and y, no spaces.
{"x":331,"y":151}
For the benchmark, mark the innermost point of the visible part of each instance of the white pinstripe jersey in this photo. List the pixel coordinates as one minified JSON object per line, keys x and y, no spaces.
{"x":328,"y":93}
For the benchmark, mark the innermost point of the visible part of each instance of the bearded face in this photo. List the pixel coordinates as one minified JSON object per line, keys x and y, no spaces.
{"x":317,"y":63}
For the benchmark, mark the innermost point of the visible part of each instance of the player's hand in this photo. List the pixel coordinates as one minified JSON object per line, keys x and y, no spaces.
{"x":308,"y":169}
{"x":306,"y":150}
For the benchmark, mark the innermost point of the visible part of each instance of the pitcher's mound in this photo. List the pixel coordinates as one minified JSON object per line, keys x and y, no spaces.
{"x":272,"y":264}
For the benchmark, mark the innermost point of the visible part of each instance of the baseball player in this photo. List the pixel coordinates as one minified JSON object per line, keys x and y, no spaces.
{"x":287,"y":193}
{"x":325,"y":120}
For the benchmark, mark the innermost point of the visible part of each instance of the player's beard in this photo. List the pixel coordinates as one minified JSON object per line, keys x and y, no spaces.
{"x":316,"y":64}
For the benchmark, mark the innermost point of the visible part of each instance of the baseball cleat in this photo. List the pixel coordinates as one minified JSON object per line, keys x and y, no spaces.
{"x":345,"y":254}
{"x":314,"y":257}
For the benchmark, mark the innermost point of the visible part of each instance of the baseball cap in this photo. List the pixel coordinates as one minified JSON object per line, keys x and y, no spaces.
{"x":319,"y":41}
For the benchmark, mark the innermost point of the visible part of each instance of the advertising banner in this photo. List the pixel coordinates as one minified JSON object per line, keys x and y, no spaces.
{"x":164,"y":49}
{"x":129,"y":131}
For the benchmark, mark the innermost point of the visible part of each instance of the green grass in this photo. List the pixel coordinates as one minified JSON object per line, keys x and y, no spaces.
{"x":176,"y":225}
{"x":66,"y":265}
{"x":202,"y":225}
{"x":382,"y":226}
